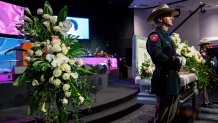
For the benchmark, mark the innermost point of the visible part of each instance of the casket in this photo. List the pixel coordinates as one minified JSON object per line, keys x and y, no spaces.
{"x":187,"y":83}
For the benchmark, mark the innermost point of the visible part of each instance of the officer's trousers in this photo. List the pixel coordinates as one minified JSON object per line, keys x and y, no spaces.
{"x":166,"y":109}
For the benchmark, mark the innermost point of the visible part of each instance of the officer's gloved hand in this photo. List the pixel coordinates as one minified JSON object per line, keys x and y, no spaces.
{"x":212,"y":63}
{"x":182,"y":60}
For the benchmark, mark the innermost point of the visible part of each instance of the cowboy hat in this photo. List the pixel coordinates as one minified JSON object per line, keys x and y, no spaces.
{"x":204,"y":42}
{"x":160,"y":10}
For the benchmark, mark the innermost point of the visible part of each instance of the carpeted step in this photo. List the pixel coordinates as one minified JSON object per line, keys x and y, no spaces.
{"x":203,"y":121}
{"x":113,"y":113}
{"x":208,"y":117}
{"x":209,"y":110}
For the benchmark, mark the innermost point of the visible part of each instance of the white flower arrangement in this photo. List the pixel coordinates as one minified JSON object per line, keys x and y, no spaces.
{"x":52,"y":67}
{"x":194,"y":61}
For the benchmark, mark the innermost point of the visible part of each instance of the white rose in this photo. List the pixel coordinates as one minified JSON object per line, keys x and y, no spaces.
{"x":48,"y":42}
{"x":27,"y":10}
{"x":51,"y":79}
{"x":46,"y":16}
{"x":57,"y":72}
{"x":27,"y":18}
{"x":74,"y":75}
{"x":49,"y":49}
{"x":49,"y":57}
{"x":64,"y":101}
{"x":43,"y":109}
{"x":39,"y":11}
{"x":42,"y":79}
{"x":66,"y":87}
{"x":56,"y":41}
{"x":66,"y":76}
{"x":81,"y":98}
{"x":46,"y":23}
{"x":80,"y":62}
{"x":35,"y":82}
{"x":65,"y":67}
{"x":56,"y":48}
{"x":60,"y":56}
{"x":35,"y":45}
{"x":53,"y":19}
{"x":57,"y":82}
{"x":38,"y":53}
{"x":56,"y":28}
{"x":67,"y":94}
{"x":30,"y":52}
{"x":64,"y":50}
{"x":27,"y":59}
{"x":55,"y":63}
{"x":72,"y":61}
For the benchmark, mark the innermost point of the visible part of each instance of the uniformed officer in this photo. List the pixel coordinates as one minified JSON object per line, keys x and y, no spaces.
{"x":165,"y":82}
{"x":204,"y":45}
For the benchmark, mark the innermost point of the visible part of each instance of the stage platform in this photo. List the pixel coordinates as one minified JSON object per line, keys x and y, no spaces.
{"x":111,"y":103}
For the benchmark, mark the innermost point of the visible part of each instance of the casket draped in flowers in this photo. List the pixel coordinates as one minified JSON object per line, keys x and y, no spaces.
{"x":57,"y":76}
{"x":194,"y":61}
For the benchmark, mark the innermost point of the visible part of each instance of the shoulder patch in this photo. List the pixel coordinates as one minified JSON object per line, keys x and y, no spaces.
{"x":153,"y":37}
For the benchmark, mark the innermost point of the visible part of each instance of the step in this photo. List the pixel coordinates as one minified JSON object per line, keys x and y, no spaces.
{"x":113,"y":113}
{"x":109,"y":98}
{"x":208,"y":117}
{"x":203,"y":121}
{"x":209,"y":110}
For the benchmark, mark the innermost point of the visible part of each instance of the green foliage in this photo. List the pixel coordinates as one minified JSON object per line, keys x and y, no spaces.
{"x":203,"y":72}
{"x":145,"y":69}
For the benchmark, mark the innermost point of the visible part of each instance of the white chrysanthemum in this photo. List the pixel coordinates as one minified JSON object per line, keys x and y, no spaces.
{"x":57,"y":82}
{"x":72,"y":61}
{"x":38,"y":53}
{"x":64,"y":101}
{"x":42,"y":79}
{"x":56,"y":28}
{"x":66,"y":87}
{"x":27,"y":59}
{"x":35,"y":82}
{"x":65,"y":67}
{"x":53,"y":19}
{"x":67,"y":94}
{"x":56,"y":48}
{"x":66,"y":76}
{"x":81,"y":98}
{"x":74,"y":75}
{"x":30,"y":52}
{"x":46,"y":16}
{"x":49,"y":57}
{"x":39,"y":11}
{"x":57,"y":72}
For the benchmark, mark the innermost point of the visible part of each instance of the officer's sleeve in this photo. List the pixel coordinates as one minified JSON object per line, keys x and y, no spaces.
{"x":156,"y":51}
